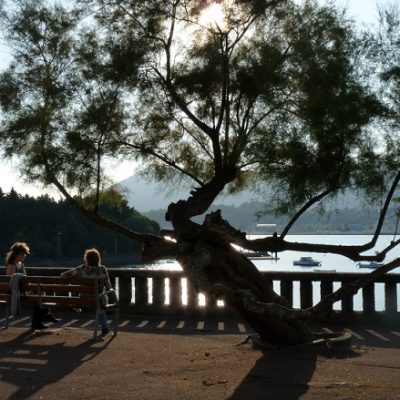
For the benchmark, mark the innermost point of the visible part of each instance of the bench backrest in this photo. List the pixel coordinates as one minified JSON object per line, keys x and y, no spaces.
{"x":54,"y":289}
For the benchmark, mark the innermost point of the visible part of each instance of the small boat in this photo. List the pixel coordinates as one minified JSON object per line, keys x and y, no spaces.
{"x":325,"y":270}
{"x":371,"y":264}
{"x":307,"y":262}
{"x":259,"y":255}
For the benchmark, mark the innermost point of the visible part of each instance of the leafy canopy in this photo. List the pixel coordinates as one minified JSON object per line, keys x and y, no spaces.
{"x":273,"y":95}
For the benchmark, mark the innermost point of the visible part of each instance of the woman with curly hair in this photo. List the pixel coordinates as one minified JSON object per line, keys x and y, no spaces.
{"x":92,"y":268}
{"x":15,"y":265}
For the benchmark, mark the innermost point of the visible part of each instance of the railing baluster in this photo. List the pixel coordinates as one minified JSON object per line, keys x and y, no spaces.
{"x":368,"y":294}
{"x":125,"y":290}
{"x":287,"y":290}
{"x":347,"y":302}
{"x":348,"y":305}
{"x":211,"y":303}
{"x":175,"y":293}
{"x":141,"y":291}
{"x":390,"y":297}
{"x":326,"y":289}
{"x":306,"y":296}
{"x":192,"y":297}
{"x":158,"y":291}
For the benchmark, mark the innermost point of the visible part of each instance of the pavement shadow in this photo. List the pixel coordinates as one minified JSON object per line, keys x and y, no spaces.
{"x":29,"y":366}
{"x":283,"y":374}
{"x":375,"y":335}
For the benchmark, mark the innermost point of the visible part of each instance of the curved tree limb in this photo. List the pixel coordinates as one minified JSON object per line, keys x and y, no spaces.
{"x":147,"y":150}
{"x":200,"y":200}
{"x":153,"y":246}
{"x":385,"y":208}
{"x":276,"y":244}
{"x":353,"y":287}
{"x":303,"y":209}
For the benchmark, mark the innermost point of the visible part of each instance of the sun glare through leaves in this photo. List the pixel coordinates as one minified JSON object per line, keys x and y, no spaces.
{"x":213,"y":16}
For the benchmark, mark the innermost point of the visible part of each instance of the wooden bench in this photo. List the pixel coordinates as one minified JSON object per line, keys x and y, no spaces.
{"x":57,"y":292}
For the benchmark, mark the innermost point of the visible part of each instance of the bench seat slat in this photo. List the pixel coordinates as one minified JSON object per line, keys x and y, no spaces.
{"x":5,"y":279}
{"x":60,"y":288}
{"x":59,"y":280}
{"x":5,"y":296}
{"x":57,"y":300}
{"x":62,"y":300}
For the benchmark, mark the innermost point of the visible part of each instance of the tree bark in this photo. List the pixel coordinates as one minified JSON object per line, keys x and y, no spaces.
{"x":216,"y":268}
{"x":228,"y":275}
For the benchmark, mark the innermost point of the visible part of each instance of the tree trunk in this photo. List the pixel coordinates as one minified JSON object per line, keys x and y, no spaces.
{"x":228,"y":275}
{"x":216,"y":268}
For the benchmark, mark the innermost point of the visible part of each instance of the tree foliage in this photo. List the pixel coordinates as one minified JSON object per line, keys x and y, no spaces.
{"x":273,"y":94}
{"x":384,"y":57}
{"x":279,"y":84}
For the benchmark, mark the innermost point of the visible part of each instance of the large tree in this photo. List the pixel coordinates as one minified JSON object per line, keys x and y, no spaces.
{"x":272,"y":93}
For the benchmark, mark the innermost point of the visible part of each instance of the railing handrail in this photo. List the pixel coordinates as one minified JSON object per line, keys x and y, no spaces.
{"x":338,"y":276}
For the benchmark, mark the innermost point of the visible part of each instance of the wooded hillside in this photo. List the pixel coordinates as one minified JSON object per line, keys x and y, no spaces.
{"x":54,"y":229}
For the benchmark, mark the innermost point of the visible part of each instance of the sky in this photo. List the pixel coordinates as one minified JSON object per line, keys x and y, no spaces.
{"x":363,"y":11}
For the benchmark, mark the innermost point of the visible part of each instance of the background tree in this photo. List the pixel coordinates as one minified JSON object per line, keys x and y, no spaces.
{"x":54,"y":229}
{"x":271,"y":93}
{"x":384,"y":60}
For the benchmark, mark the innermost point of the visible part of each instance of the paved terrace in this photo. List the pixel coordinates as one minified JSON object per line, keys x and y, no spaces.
{"x":168,"y":357}
{"x":169,"y":350}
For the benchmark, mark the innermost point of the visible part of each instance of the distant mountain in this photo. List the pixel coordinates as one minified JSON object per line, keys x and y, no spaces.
{"x":358,"y":220}
{"x":346,"y":214}
{"x":146,"y":195}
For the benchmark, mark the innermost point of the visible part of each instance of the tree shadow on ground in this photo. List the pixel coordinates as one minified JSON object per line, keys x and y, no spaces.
{"x":29,"y":366}
{"x":284,"y":373}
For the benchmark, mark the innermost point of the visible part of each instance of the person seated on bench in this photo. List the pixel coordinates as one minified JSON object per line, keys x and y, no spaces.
{"x":92,"y":268}
{"x":14,"y":263}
